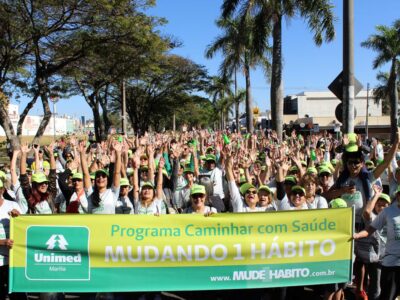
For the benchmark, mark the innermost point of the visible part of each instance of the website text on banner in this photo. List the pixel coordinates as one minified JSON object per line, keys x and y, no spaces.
{"x":86,"y":253}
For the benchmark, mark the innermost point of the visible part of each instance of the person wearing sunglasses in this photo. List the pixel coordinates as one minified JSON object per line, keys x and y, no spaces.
{"x":243,"y":200}
{"x":101,"y":198}
{"x":354,"y":185}
{"x":39,"y":194}
{"x":198,"y":200}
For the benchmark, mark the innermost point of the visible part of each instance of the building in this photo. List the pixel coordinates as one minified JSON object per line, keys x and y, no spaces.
{"x":317,"y":110}
{"x":63,"y":124}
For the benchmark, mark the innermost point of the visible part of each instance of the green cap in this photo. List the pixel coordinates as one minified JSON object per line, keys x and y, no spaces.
{"x":338,"y":203}
{"x":92,"y":175}
{"x":290,"y":179}
{"x":198,"y":189}
{"x":265,"y":188}
{"x":102,"y":171}
{"x":203,"y":157}
{"x":211,"y":157}
{"x":334,"y":162}
{"x":144,"y":168}
{"x":351,"y":148}
{"x":303,"y":163}
{"x":242,"y":179}
{"x":324,"y":169}
{"x":245,"y":187}
{"x":294,"y":168}
{"x":312,"y":170}
{"x":385,"y":197}
{"x":188,"y":170}
{"x":77,"y":176}
{"x":124,"y":182}
{"x":352,"y":138}
{"x":39,"y":178}
{"x":147,"y":184}
{"x":298,"y":188}
{"x":1,"y":184}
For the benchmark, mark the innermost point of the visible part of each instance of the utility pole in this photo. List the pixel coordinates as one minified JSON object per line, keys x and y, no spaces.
{"x":366,"y":117}
{"x":54,"y":100}
{"x":348,"y":66}
{"x":123,"y":107}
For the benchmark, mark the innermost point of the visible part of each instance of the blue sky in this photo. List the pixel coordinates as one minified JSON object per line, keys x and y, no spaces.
{"x":306,"y":66}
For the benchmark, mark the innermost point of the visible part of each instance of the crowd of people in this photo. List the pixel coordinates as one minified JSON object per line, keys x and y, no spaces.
{"x":207,"y":172}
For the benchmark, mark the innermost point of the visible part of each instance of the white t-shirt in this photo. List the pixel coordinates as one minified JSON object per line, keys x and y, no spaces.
{"x":5,"y":208}
{"x":42,"y":208}
{"x":238,"y":204}
{"x":108,"y":201}
{"x":319,"y":202}
{"x":156,"y":207}
{"x":207,"y":209}
{"x":287,"y":205}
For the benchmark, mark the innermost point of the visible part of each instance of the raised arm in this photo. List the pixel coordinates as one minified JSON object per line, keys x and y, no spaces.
{"x":24,"y":152}
{"x":159,"y":189}
{"x":371,"y":204}
{"x":13,"y":167}
{"x":388,"y":158}
{"x":85,"y":170}
{"x":117,"y":146}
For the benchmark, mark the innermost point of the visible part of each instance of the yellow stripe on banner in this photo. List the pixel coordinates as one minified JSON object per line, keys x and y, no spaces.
{"x":195,"y":240}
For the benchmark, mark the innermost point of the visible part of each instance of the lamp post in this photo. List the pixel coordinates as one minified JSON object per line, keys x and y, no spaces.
{"x":54,"y":99}
{"x":366,"y":117}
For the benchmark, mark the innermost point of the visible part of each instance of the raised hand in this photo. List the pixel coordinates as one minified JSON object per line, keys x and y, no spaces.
{"x":25,"y":148}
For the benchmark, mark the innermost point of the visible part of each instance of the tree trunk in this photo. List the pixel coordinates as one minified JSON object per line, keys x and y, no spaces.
{"x":46,"y":118}
{"x":249,"y":101}
{"x":5,"y":122}
{"x":393,"y":101}
{"x":25,"y":113}
{"x":276,"y":80}
{"x":237,"y":103}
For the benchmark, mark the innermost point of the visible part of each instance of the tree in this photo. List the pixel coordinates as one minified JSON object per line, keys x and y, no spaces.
{"x":236,"y":47}
{"x":220,"y":90}
{"x":153,"y":97}
{"x":386,"y":42}
{"x":319,"y":17}
{"x":382,"y":92}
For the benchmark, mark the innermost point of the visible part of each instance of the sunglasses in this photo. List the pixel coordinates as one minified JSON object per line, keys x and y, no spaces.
{"x":301,"y":194}
{"x":253,"y":192}
{"x":324,"y":175}
{"x":195,"y":196}
{"x":76,"y":180}
{"x":43,"y":183}
{"x":353,"y":162}
{"x":101,"y":175}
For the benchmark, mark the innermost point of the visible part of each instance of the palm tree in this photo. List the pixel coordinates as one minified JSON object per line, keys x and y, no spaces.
{"x":234,"y":44}
{"x":220,"y":89}
{"x":386,"y":42}
{"x":382,"y":92}
{"x":319,"y":17}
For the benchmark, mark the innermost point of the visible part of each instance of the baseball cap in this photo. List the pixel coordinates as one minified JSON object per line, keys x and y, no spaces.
{"x":77,"y":176}
{"x":338,"y":203}
{"x":245,"y":187}
{"x":124,"y":182}
{"x":385,"y":197}
{"x":39,"y":178}
{"x":265,"y":188}
{"x":298,"y":188}
{"x":102,"y":171}
{"x":147,"y":184}
{"x":198,"y":189}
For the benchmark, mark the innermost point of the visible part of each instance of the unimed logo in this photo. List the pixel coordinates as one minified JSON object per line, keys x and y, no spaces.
{"x":57,"y":253}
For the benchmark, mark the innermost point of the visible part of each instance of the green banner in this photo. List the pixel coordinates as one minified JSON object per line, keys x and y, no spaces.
{"x":92,"y":253}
